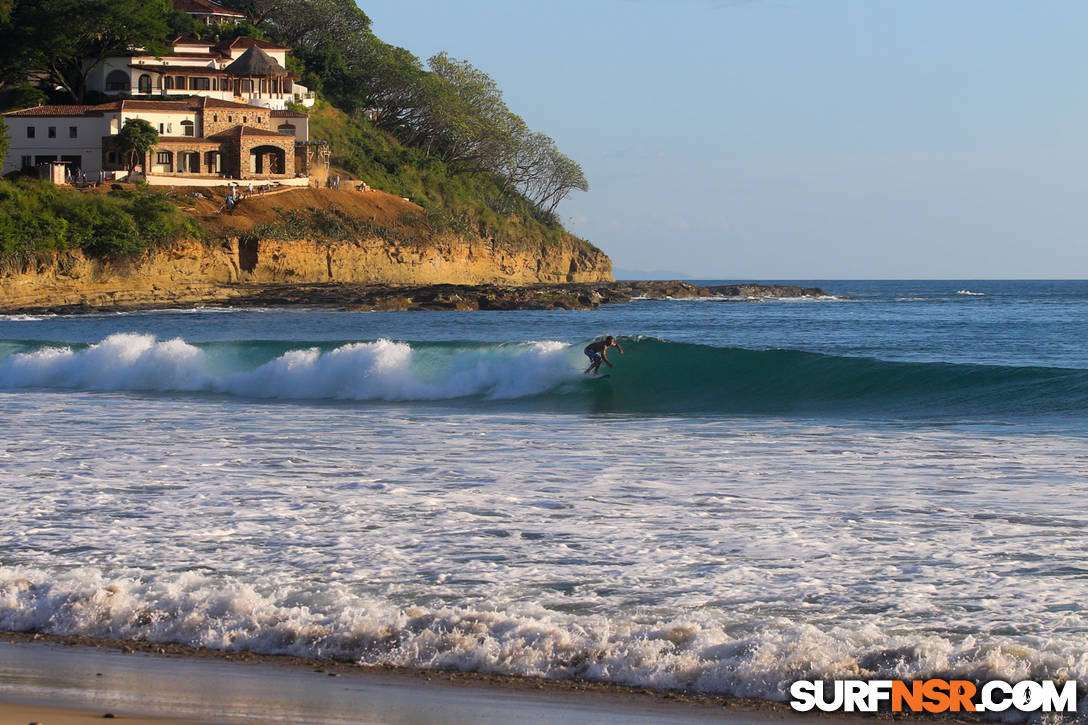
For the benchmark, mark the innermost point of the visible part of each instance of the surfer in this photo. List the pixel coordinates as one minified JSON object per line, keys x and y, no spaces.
{"x":597,"y":353}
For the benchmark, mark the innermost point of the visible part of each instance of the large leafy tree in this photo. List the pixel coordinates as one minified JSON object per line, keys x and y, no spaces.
{"x":3,"y":139}
{"x":137,"y":137}
{"x":62,"y":41}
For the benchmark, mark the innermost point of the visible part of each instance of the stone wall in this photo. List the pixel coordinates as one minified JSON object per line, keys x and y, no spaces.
{"x":284,"y":144}
{"x":196,"y":145}
{"x":217,"y":120}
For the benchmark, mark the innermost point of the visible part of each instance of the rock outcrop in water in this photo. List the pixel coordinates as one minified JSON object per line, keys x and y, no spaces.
{"x":363,"y":296}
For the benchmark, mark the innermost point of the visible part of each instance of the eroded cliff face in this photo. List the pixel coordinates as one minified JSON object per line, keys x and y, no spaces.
{"x":190,"y":273}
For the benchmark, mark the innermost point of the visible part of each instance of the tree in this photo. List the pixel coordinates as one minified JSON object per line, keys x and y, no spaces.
{"x":64,"y":40}
{"x":4,"y":142}
{"x":137,"y":137}
{"x":472,"y":121}
{"x":564,"y":176}
{"x":312,"y":24}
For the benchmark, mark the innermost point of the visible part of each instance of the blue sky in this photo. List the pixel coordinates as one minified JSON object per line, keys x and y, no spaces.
{"x":798,"y":139}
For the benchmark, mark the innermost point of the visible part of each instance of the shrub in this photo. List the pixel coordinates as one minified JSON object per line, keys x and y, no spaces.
{"x":37,"y":216}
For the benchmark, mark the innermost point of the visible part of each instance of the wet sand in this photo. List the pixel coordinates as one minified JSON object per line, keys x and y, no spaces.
{"x":49,"y":682}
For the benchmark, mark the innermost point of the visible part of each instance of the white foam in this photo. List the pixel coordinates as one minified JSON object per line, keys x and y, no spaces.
{"x":970,"y":293}
{"x":732,"y":556}
{"x":25,"y":318}
{"x":381,"y":370}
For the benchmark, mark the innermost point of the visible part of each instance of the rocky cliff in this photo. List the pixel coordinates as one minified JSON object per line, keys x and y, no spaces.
{"x":216,"y":272}
{"x":192,"y":272}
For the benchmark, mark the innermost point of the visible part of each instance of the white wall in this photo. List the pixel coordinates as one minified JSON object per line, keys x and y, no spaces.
{"x":302,"y":126}
{"x":87,"y":144}
{"x":167,"y":123}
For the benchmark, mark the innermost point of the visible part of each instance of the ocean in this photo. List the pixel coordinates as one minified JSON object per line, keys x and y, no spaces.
{"x":888,"y":482}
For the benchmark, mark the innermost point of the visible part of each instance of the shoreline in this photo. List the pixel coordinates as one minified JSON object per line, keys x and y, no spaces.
{"x":377,"y":297}
{"x":50,"y":677}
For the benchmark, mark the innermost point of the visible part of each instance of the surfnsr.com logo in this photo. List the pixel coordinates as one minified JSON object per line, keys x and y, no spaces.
{"x":933,"y":696}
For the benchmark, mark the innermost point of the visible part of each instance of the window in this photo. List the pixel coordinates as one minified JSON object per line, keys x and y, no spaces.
{"x":145,"y":83}
{"x":27,"y":162}
{"x":286,"y":128}
{"x":164,"y":157}
{"x":187,"y":128}
{"x":73,"y":131}
{"x":30,"y":132}
{"x":230,"y":119}
{"x":51,"y":132}
{"x":162,"y":128}
{"x":180,"y":83}
{"x":215,"y":117}
{"x":117,"y":81}
{"x":200,"y":84}
{"x":258,"y":119}
{"x":168,"y":82}
{"x":245,"y":119}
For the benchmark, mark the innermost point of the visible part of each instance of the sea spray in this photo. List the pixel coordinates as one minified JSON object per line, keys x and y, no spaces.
{"x":655,"y":376}
{"x":692,"y":652}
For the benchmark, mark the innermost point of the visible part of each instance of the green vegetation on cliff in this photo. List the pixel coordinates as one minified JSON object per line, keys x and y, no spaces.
{"x":36,"y":216}
{"x":471,"y":204}
{"x":438,"y":133}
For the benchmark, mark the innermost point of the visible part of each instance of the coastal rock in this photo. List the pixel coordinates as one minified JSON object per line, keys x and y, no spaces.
{"x":192,"y":273}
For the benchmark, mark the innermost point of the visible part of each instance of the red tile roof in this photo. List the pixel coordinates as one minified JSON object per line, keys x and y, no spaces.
{"x":204,"y":7}
{"x":206,"y":102}
{"x":288,"y":114}
{"x":244,"y":41}
{"x":41,"y":111}
{"x":179,"y":106}
{"x":186,"y":40}
{"x":191,"y":56}
{"x":239,"y":131}
{"x":178,"y":70}
{"x":188,"y":140}
{"x":187,"y":104}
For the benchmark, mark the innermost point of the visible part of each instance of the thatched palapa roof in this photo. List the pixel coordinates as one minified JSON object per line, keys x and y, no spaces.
{"x":255,"y":62}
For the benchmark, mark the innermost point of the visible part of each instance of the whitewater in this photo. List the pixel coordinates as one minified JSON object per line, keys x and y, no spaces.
{"x":884,"y":484}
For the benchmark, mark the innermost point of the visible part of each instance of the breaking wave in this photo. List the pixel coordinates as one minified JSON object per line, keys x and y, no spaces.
{"x":700,"y":651}
{"x":654,"y":376}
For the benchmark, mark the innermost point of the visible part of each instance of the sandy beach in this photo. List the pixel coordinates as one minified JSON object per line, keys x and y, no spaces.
{"x":49,"y":682}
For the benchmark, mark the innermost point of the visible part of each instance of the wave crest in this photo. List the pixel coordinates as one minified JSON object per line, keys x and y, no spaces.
{"x":654,"y":376}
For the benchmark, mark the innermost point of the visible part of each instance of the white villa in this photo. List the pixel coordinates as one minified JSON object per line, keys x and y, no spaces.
{"x":221,"y":110}
{"x":201,"y":139}
{"x":243,"y":70}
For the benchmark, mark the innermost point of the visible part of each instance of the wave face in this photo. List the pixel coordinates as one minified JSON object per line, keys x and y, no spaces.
{"x":654,"y":376}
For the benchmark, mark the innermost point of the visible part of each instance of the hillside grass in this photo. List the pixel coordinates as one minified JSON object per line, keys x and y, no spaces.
{"x":36,"y":216}
{"x":455,"y":200}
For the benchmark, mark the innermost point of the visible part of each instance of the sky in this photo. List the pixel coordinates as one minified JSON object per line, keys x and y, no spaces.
{"x":797,"y":139}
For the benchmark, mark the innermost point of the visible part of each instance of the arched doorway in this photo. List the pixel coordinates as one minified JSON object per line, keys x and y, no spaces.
{"x":267,"y":160}
{"x":188,"y":162}
{"x":144,"y":83}
{"x":118,"y":80}
{"x":213,"y":160}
